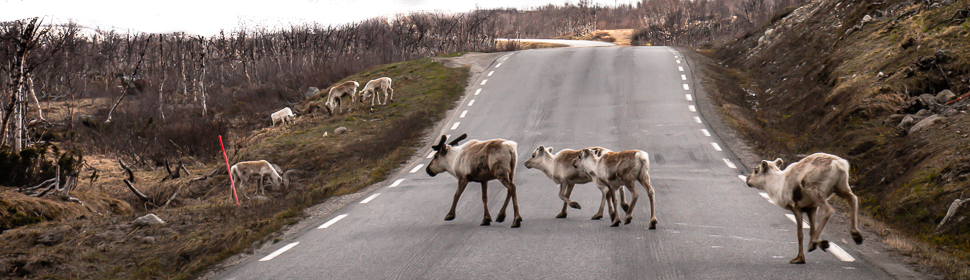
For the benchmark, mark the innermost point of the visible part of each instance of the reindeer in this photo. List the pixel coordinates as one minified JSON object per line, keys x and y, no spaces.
{"x":804,"y":187}
{"x":242,"y":171}
{"x":616,"y":169}
{"x":346,"y":89}
{"x":282,"y":116}
{"x":478,"y":161}
{"x":383,"y":84}
{"x":559,"y":168}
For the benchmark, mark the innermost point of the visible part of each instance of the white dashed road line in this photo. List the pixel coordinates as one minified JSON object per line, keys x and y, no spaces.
{"x":689,"y":97}
{"x":396,"y":183}
{"x":369,"y":198}
{"x":416,"y":168}
{"x":455,"y":126}
{"x":463,"y":114}
{"x":792,"y":218}
{"x":697,"y":119}
{"x":691,"y":108}
{"x":498,"y":65}
{"x":686,"y":87}
{"x":332,"y":221}
{"x":681,"y":68}
{"x":278,"y":252}
{"x":839,"y":253}
{"x":471,"y":102}
{"x":490,"y":73}
{"x":678,"y":61}
{"x":706,"y":133}
{"x":730,"y":164}
{"x":478,"y":91}
{"x":484,"y":81}
{"x":716,"y":146}
{"x":683,"y":77}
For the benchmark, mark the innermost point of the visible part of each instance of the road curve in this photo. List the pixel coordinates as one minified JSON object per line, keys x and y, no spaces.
{"x":571,"y":43}
{"x":711,"y":224}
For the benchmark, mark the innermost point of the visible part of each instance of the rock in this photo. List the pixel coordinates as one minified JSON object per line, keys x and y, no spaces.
{"x":907,"y":122}
{"x":951,"y":112}
{"x":148,"y":240}
{"x":866,"y":19}
{"x":922,"y":113}
{"x":50,"y":237}
{"x":340,"y":130}
{"x":895,"y":118}
{"x":310,"y":92}
{"x":925,"y":123}
{"x":769,"y":32}
{"x":260,"y":198}
{"x":927,"y":99}
{"x":148,"y":220}
{"x":945,"y":96}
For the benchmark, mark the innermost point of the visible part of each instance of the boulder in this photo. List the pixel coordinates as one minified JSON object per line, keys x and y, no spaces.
{"x":945,"y":96}
{"x":310,"y":92}
{"x":927,"y":99}
{"x":907,"y":122}
{"x":340,"y":130}
{"x":951,"y":112}
{"x":148,"y":220}
{"x":925,"y":123}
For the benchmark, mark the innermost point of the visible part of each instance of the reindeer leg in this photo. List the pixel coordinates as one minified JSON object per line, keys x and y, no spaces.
{"x":623,"y":204}
{"x":603,"y":202}
{"x":488,"y":217}
{"x":843,"y":190}
{"x":461,"y":188}
{"x":501,"y":213}
{"x":517,"y":221}
{"x":800,"y":259}
{"x":565,"y":200}
{"x":813,"y":232}
{"x":392,"y":95}
{"x":645,"y":182}
{"x":614,"y":211}
{"x":634,"y":196}
{"x":827,"y":211}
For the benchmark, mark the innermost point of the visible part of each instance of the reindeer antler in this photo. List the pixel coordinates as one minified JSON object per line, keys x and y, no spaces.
{"x":460,"y":137}
{"x":440,"y":143}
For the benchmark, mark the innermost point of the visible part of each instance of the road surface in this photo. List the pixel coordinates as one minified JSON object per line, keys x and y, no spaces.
{"x":712,"y":226}
{"x":571,"y":43}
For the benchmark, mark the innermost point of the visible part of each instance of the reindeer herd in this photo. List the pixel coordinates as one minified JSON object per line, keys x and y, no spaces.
{"x":802,"y":187}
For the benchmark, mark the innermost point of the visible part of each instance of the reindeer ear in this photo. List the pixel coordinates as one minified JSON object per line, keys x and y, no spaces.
{"x":764,"y":165}
{"x":460,"y":137}
{"x":549,"y":149}
{"x":778,"y":162}
{"x":584,"y":153}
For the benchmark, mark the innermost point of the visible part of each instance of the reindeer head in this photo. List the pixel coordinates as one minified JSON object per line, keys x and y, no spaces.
{"x":588,"y":158}
{"x":439,"y":162}
{"x":763,"y":172}
{"x":540,"y":154}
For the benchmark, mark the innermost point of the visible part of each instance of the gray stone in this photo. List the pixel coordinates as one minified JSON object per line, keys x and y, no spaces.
{"x":945,"y":96}
{"x":866,"y":19}
{"x":149,"y":220}
{"x":310,"y":92}
{"x":907,"y":122}
{"x":340,"y":130}
{"x":922,"y":113}
{"x":260,"y":198}
{"x":951,"y":112}
{"x":925,"y":123}
{"x":148,"y":240}
{"x":927,"y":99}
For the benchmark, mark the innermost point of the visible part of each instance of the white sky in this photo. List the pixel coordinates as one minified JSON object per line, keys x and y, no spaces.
{"x":207,"y":17}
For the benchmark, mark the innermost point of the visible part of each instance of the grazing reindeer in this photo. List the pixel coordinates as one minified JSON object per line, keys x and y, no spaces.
{"x":804,"y":187}
{"x":242,"y":171}
{"x":282,"y":116}
{"x":478,"y":161}
{"x":616,"y":169}
{"x":346,"y":89}
{"x":559,"y":168}
{"x":370,"y":89}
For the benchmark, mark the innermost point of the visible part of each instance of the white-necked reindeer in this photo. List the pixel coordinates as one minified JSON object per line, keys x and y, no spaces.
{"x":804,"y":187}
{"x":616,"y":169}
{"x":478,"y":161}
{"x":370,"y":89}
{"x":559,"y":168}
{"x":243,"y":171}
{"x":283,"y":116}
{"x":337,"y":93}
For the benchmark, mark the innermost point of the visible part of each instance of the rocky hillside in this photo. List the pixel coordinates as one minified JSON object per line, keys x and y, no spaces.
{"x":881,"y":83}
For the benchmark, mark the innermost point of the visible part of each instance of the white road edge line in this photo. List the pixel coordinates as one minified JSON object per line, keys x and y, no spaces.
{"x":743,"y":178}
{"x":396,"y":183}
{"x":697,"y":119}
{"x":730,"y":164}
{"x":706,"y":133}
{"x":332,"y":221}
{"x":463,"y":114}
{"x":471,"y":102}
{"x":839,"y":253}
{"x":686,"y":87}
{"x":689,"y":97}
{"x":804,"y":222}
{"x":455,"y":126}
{"x":716,"y":146}
{"x":691,"y":108}
{"x":768,"y":198}
{"x":430,"y":155}
{"x":416,"y":168}
{"x":478,"y":91}
{"x":484,"y":81}
{"x":369,"y":198}
{"x":278,"y":252}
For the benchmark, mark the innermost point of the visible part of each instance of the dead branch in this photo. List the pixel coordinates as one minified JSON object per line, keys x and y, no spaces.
{"x":949,"y":220}
{"x":206,"y":176}
{"x":172,"y":197}
{"x":137,"y":193}
{"x":131,"y":175}
{"x":46,"y":190}
{"x":78,"y":201}
{"x":38,"y":186}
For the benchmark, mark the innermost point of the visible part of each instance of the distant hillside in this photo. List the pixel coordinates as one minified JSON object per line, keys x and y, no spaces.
{"x":881,"y":83}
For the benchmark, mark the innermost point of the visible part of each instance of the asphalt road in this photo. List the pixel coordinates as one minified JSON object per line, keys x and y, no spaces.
{"x":711,"y":226}
{"x":571,"y":43}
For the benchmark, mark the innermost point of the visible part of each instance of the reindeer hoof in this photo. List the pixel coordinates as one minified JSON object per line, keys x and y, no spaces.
{"x":486,"y":222}
{"x":616,"y":223}
{"x":561,"y":215}
{"x":812,"y":246}
{"x":857,"y":238}
{"x":626,"y":207}
{"x":628,"y":220}
{"x":797,"y":260}
{"x":824,"y":244}
{"x":597,"y":217}
{"x":517,"y":222}
{"x":500,"y":218}
{"x":653,"y":224}
{"x":575,"y":205}
{"x":449,"y":217}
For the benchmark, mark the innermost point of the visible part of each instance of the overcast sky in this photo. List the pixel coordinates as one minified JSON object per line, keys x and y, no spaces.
{"x":207,"y":17}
